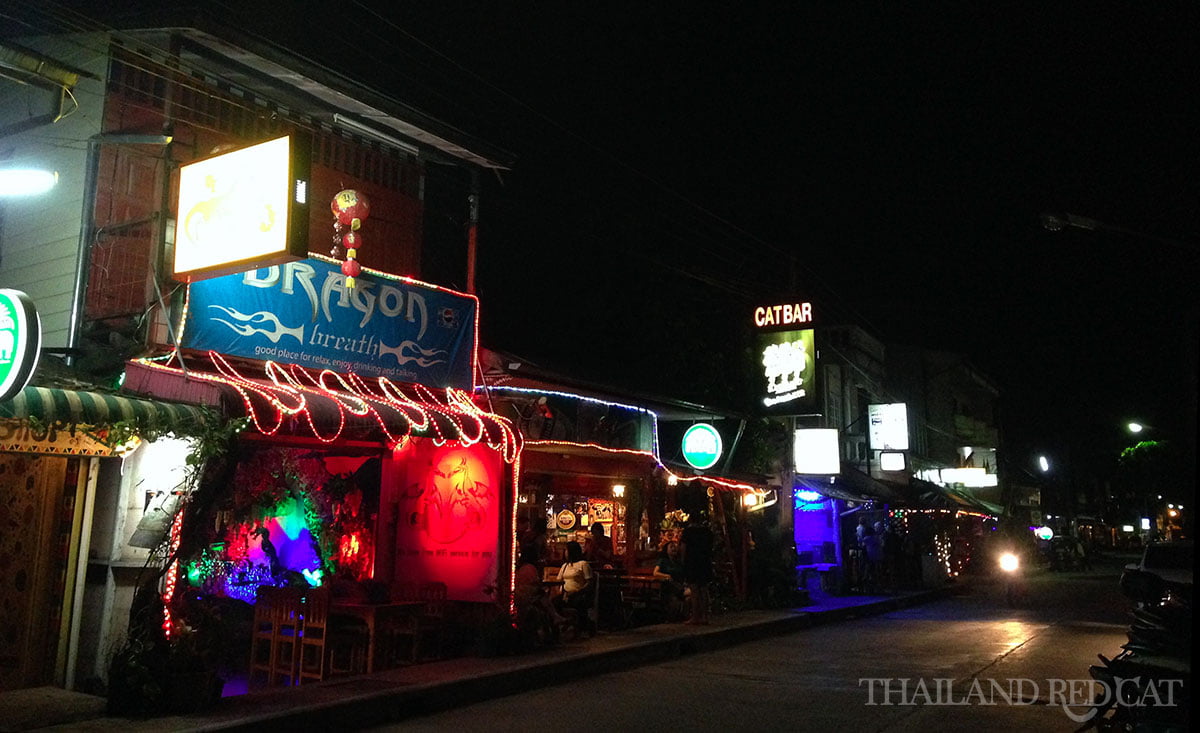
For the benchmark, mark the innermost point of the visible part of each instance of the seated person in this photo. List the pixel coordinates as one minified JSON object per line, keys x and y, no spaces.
{"x":599,"y":547}
{"x":576,"y":575}
{"x":669,"y":566}
{"x":670,"y":570}
{"x":534,"y":610}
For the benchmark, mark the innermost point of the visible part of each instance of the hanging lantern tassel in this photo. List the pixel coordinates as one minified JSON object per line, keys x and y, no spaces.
{"x":350,"y":268}
{"x":350,"y":208}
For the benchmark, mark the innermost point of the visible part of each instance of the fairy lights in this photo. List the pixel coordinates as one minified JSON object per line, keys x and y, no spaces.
{"x":289,"y":391}
{"x":594,"y":400}
{"x":172,"y":574}
{"x":673,"y":479}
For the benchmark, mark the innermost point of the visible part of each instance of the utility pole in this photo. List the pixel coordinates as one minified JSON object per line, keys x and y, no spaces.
{"x":472,"y":230}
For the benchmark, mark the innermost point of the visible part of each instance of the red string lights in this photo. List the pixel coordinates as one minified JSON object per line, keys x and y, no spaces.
{"x":327,"y":403}
{"x":168,"y":624}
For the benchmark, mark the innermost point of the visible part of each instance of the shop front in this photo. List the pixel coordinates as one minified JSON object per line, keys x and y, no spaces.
{"x":593,"y":472}
{"x":351,"y":463}
{"x":83,"y":476}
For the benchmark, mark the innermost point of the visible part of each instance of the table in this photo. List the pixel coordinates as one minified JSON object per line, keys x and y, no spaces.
{"x":375,"y":615}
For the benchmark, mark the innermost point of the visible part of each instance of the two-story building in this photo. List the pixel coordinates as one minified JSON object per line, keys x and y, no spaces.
{"x":116,"y":114}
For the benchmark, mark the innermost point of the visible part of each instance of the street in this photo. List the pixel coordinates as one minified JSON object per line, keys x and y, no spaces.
{"x":950,"y":665}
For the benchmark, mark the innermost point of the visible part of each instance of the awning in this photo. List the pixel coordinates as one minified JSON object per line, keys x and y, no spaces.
{"x":573,"y":459}
{"x":71,"y":407}
{"x":834,"y":489}
{"x":963,"y":499}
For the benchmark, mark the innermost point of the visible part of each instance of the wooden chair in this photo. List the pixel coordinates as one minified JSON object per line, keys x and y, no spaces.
{"x":419,"y":628}
{"x":433,"y":616}
{"x":275,"y":640}
{"x":315,"y":635}
{"x":262,"y":633}
{"x":326,"y":642}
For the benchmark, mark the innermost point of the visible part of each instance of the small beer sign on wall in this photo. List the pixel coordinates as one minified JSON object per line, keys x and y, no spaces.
{"x":20,"y":341}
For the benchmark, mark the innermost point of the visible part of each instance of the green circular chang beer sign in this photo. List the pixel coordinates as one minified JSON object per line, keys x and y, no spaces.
{"x":702,"y":446}
{"x":20,"y":341}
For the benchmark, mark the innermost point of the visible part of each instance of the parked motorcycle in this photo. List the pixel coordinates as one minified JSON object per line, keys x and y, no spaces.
{"x":1147,"y":687}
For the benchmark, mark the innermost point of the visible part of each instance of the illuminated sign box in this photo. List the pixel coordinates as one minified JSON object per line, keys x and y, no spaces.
{"x":242,"y":210}
{"x":891,"y":461}
{"x":20,"y":341}
{"x":787,"y":357}
{"x":702,"y":446}
{"x":788,"y":368}
{"x":888,"y":428}
{"x":783,"y":314}
{"x":970,"y":477}
{"x":817,"y":451}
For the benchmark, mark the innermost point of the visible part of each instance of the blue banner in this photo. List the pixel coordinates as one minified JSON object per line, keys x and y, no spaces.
{"x":303,"y":313}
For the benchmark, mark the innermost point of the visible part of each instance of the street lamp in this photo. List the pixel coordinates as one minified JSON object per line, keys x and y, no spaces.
{"x":1056,"y":222}
{"x":1135,"y":427}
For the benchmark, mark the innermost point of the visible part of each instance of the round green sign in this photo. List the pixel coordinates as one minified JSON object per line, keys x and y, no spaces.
{"x":702,"y":446}
{"x":20,"y":341}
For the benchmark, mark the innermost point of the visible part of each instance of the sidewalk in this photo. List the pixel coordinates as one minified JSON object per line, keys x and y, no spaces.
{"x":392,"y":695}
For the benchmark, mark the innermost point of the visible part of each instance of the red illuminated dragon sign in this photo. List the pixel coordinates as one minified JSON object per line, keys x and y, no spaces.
{"x":455,"y":496}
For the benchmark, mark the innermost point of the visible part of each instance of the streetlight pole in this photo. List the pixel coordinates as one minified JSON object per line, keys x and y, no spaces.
{"x":1060,"y":221}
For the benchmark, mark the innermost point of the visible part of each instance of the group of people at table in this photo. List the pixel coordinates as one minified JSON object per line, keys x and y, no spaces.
{"x":547,"y":602}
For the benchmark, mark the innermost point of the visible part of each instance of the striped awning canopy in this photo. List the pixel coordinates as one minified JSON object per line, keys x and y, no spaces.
{"x":72,"y":407}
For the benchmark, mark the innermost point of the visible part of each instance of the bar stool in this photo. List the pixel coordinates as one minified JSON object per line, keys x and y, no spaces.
{"x":275,"y":639}
{"x":313,"y":659}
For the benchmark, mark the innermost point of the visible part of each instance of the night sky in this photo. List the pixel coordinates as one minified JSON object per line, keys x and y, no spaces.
{"x":670,"y":164}
{"x":675,"y":165}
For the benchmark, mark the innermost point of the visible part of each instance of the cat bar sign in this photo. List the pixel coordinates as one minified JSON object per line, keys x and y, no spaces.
{"x":783,"y":314}
{"x":242,"y":210}
{"x":20,"y":341}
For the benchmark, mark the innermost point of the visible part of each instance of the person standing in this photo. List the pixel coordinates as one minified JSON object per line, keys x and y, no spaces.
{"x":697,"y":553}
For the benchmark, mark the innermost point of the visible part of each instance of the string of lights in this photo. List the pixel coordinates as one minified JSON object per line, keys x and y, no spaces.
{"x":654,"y":454}
{"x":172,"y":573}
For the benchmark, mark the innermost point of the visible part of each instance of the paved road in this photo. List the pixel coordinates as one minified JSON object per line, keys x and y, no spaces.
{"x":813,"y":680}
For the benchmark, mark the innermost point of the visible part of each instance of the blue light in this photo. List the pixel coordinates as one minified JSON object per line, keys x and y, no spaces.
{"x":808,"y":497}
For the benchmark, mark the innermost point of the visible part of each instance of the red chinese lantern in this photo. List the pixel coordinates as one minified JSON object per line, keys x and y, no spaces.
{"x":350,"y":208}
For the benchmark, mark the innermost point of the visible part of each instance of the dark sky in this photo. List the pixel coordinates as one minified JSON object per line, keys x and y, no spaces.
{"x":677,"y":163}
{"x":672,"y":161}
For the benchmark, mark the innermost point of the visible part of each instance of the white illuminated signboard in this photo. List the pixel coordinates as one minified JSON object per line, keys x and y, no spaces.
{"x":242,"y":210}
{"x":817,"y":451}
{"x":888,"y":428}
{"x":891,"y":461}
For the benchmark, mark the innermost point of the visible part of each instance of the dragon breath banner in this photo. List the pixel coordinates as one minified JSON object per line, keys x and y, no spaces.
{"x":303,"y":313}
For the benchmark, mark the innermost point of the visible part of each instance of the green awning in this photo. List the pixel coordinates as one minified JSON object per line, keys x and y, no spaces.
{"x":71,"y":407}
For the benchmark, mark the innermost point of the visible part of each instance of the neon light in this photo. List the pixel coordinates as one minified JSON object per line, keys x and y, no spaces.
{"x":785,"y":314}
{"x":808,"y":497}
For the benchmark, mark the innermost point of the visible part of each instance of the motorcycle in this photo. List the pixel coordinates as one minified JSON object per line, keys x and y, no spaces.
{"x":1009,"y":563}
{"x":1147,"y":687}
